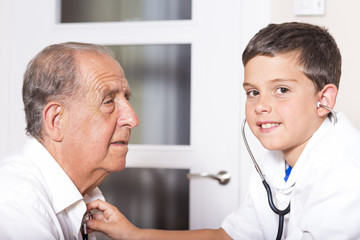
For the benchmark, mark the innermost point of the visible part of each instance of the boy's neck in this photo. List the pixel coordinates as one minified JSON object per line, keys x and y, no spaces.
{"x":292,"y":155}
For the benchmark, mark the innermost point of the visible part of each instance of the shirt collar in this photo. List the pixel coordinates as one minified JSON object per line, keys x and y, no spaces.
{"x":62,"y":190}
{"x":275,"y":158}
{"x":66,"y":200}
{"x":319,"y":133}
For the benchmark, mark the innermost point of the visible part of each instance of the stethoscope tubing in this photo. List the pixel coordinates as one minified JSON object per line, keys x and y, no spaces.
{"x":277,"y":211}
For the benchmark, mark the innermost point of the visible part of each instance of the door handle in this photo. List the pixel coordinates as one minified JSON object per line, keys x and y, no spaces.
{"x":222,"y":177}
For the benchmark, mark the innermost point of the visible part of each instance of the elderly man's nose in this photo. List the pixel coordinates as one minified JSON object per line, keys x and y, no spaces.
{"x":127,"y":117}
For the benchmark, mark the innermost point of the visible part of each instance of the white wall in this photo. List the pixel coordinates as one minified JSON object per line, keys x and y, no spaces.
{"x":342,"y":18}
{"x":5,"y":39}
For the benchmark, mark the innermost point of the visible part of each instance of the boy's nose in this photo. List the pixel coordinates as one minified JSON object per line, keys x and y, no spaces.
{"x":263,"y":105}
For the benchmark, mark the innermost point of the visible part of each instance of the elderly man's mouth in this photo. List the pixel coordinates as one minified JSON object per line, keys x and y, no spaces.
{"x":120,"y":143}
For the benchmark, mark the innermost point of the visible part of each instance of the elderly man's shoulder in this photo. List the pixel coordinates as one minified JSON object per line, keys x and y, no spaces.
{"x":20,"y":179}
{"x":25,"y":204}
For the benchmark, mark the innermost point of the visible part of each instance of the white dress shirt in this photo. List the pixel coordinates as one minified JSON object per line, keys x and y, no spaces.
{"x":323,"y":189}
{"x":37,"y":199}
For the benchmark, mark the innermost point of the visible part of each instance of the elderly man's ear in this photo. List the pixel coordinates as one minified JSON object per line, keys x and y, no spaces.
{"x":52,"y":119}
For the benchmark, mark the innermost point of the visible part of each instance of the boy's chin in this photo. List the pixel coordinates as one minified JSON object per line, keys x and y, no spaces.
{"x":270,"y":146}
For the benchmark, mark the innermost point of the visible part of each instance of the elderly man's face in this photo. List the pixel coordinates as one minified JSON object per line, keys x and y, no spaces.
{"x":99,"y":119}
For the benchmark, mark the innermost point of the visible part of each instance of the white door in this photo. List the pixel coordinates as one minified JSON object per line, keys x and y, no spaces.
{"x":217,"y":33}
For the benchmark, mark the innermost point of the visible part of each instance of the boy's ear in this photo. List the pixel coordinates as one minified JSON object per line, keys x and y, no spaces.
{"x":52,"y":118}
{"x":327,"y":97}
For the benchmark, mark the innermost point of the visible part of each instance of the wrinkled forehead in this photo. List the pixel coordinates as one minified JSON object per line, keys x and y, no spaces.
{"x":97,"y":68}
{"x":100,"y":73}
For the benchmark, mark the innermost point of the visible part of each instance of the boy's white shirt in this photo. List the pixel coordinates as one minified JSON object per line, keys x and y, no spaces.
{"x":323,"y":188}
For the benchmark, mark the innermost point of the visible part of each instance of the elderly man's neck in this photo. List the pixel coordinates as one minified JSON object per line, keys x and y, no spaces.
{"x":84,"y":179}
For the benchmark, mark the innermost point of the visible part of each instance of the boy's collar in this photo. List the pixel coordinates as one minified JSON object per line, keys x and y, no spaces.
{"x":279,"y":182}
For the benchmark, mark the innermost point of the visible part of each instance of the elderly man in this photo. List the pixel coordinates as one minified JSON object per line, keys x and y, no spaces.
{"x":77,"y":112}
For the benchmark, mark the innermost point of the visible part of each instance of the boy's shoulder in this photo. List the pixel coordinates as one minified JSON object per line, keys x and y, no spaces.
{"x":340,"y":144}
{"x":343,"y":134}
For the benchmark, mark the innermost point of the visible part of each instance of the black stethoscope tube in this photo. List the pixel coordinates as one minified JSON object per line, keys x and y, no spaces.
{"x":281,"y":213}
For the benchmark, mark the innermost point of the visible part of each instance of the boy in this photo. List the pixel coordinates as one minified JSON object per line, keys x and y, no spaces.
{"x":292,"y":70}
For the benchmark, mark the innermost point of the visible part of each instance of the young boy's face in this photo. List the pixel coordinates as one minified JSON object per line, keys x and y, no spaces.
{"x":281,"y":104}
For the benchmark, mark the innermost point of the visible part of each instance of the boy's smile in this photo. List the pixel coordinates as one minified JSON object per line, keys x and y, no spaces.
{"x":267,"y":126}
{"x":281,"y":104}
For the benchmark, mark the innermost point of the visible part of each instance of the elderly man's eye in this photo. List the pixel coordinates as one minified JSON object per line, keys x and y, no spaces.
{"x":108,"y":100}
{"x":108,"y":105}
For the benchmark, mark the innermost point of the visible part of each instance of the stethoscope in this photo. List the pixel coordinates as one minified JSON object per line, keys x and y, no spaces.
{"x":84,"y":232}
{"x":279,"y":212}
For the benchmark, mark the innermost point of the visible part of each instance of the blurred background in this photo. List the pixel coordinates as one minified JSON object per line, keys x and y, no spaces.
{"x":182,"y":59}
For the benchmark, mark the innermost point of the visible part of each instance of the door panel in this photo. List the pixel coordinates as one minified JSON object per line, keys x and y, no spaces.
{"x":124,"y":10}
{"x":150,"y":197}
{"x":216,"y":35}
{"x":159,"y":78}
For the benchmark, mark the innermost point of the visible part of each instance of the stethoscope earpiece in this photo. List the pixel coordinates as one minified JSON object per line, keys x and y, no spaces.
{"x":330,"y":109}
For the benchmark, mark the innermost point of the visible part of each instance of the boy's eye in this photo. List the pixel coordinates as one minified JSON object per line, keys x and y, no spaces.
{"x":282,"y":90}
{"x":252,"y":93}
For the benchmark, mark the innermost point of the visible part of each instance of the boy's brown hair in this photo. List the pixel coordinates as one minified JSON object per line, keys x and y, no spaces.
{"x":318,"y":54}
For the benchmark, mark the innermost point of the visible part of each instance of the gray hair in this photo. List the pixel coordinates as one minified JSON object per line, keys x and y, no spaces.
{"x":52,"y":75}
